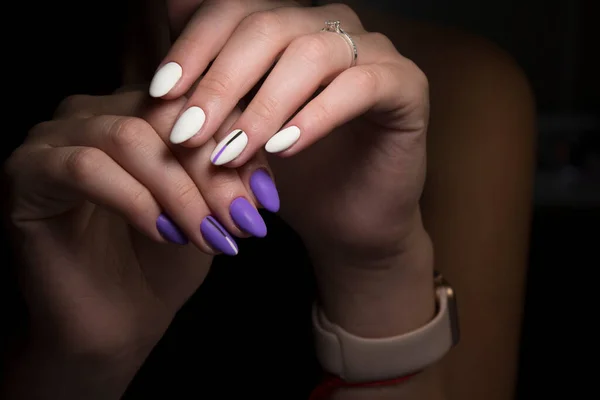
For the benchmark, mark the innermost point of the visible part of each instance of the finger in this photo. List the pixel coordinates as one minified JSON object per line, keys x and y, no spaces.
{"x":198,"y":44}
{"x":222,"y":189}
{"x":308,"y":63}
{"x":136,"y":147}
{"x":123,"y":102}
{"x":74,"y":174}
{"x":256,"y":174}
{"x":248,"y":55}
{"x":399,"y":89}
{"x":258,"y":178}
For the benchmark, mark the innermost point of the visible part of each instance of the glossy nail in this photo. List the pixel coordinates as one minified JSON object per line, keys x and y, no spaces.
{"x":247,"y":217}
{"x":265,"y":190}
{"x":229,"y":148}
{"x":168,"y":230}
{"x":217,"y":236}
{"x":165,"y":79}
{"x":283,"y":140}
{"x":187,"y":125}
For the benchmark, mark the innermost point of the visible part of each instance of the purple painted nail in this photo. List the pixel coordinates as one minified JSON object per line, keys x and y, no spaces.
{"x":264,"y":189}
{"x":216,"y":235}
{"x":168,"y":230}
{"x":247,"y":217}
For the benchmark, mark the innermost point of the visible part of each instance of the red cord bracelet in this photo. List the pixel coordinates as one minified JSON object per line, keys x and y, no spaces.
{"x":332,"y":383}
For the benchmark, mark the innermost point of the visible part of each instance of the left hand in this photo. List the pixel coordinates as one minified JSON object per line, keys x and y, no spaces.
{"x":353,"y":191}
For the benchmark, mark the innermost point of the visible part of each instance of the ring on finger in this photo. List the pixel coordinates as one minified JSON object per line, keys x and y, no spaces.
{"x":335,"y":27}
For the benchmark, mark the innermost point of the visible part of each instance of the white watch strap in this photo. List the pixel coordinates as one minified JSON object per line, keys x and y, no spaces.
{"x":357,"y":359}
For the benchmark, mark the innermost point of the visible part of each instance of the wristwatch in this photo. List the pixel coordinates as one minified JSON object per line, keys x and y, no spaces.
{"x":358,"y":360}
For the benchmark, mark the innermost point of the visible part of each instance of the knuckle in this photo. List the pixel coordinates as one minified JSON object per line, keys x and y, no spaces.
{"x":367,"y":78}
{"x":417,"y":91}
{"x":186,"y":193}
{"x":83,"y":163}
{"x":40,"y":130}
{"x":139,"y":199}
{"x":128,"y":132}
{"x":264,"y":107}
{"x":266,"y":24}
{"x":239,"y":8}
{"x":71,"y":105}
{"x":312,"y":49}
{"x":321,"y":114}
{"x":380,"y":40}
{"x":216,"y":83}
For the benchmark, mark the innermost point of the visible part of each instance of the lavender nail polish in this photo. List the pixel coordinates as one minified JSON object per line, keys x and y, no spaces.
{"x":264,"y":189}
{"x":247,"y":217}
{"x":216,"y":236}
{"x":168,"y":230}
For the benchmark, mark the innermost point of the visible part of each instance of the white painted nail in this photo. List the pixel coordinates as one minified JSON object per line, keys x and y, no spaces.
{"x":188,"y":124}
{"x":283,"y":140}
{"x":165,"y":79}
{"x":229,"y":148}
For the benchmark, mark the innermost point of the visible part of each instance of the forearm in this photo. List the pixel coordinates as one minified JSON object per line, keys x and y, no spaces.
{"x":384,"y":302}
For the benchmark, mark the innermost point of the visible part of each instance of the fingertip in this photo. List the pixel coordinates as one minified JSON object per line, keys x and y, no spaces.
{"x":229,"y":148}
{"x":264,"y":189}
{"x":187,"y":126}
{"x":283,"y":140}
{"x":165,"y":79}
{"x":169,"y":231}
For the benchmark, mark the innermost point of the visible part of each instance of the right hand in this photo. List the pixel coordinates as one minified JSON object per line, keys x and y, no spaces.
{"x":81,"y":181}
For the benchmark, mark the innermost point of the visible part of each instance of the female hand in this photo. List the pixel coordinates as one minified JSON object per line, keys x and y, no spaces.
{"x":93,"y":285}
{"x":356,"y":134}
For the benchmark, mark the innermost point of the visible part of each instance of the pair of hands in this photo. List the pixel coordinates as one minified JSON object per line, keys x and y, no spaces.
{"x":351,"y":189}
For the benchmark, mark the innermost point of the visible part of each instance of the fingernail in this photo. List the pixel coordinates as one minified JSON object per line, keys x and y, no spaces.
{"x":283,"y":140}
{"x":187,"y":125}
{"x":265,"y":190}
{"x":168,"y":230}
{"x":216,"y":236}
{"x":230,"y":147}
{"x":165,"y":79}
{"x":247,"y":217}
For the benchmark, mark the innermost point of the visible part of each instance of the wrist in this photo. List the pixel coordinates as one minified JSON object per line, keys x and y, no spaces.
{"x":42,"y":372}
{"x":383,"y":297}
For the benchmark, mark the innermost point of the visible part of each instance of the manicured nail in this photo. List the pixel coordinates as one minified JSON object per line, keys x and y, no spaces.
{"x":247,"y":217}
{"x":283,"y":140}
{"x":265,"y":190}
{"x":187,"y":125}
{"x":168,"y":230}
{"x":230,"y":147}
{"x":165,"y":79}
{"x":216,"y":236}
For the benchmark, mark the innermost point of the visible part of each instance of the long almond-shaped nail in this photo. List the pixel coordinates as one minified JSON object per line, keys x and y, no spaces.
{"x":217,"y":236}
{"x":283,"y":140}
{"x":264,"y":190}
{"x":247,"y":217}
{"x":229,"y":148}
{"x":169,"y":230}
{"x":187,"y":125}
{"x":165,"y":79}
